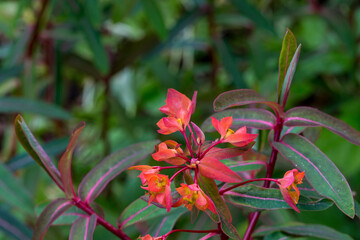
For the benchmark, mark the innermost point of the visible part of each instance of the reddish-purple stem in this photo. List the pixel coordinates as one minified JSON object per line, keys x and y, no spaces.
{"x":192,"y":135}
{"x":169,"y":167}
{"x":209,"y":148}
{"x":246,"y":182}
{"x":178,"y":172}
{"x":187,"y":143}
{"x":270,"y":169}
{"x":86,"y":208}
{"x":183,"y":157}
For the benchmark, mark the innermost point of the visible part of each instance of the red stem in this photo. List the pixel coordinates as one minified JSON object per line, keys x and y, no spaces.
{"x":175,"y":174}
{"x":209,"y":148}
{"x":187,"y":143}
{"x":86,"y":208}
{"x":169,"y":167}
{"x":270,"y":169}
{"x":249,"y":181}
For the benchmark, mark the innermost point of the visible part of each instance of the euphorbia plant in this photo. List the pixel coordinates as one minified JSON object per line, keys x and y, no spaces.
{"x":210,"y":174}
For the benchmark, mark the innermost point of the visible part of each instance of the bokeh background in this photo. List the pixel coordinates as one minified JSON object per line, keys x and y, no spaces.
{"x":110,"y":62}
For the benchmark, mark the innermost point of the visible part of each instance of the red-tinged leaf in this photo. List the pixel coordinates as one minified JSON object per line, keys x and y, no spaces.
{"x":31,"y":145}
{"x":249,"y":117}
{"x":214,"y":169}
{"x":225,"y":153}
{"x":320,"y":171}
{"x":98,"y":178}
{"x":288,"y":49}
{"x":83,"y":228}
{"x":229,"y":229}
{"x":200,"y":136}
{"x":208,"y":185}
{"x":288,"y":78}
{"x":54,"y":210}
{"x":288,"y":199}
{"x":312,"y":117}
{"x":65,"y":162}
{"x":242,"y":97}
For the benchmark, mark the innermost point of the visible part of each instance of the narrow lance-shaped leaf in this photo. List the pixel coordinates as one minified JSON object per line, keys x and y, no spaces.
{"x":288,"y":49}
{"x":240,"y":97}
{"x":166,"y":223}
{"x":23,"y":105}
{"x":28,"y":141}
{"x":312,"y":117}
{"x":257,"y":197}
{"x":320,"y":171}
{"x":98,"y":178}
{"x":309,"y":230}
{"x":252,"y":118}
{"x":212,"y":168}
{"x":288,"y":78}
{"x":13,"y":193}
{"x":55,"y":209}
{"x":65,"y":162}
{"x":83,"y":228}
{"x":12,"y":227}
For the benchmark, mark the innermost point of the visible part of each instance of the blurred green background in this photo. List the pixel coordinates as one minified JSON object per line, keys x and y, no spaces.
{"x":110,"y":62}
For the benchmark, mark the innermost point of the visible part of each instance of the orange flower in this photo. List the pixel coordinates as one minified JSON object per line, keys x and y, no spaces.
{"x":179,"y":108}
{"x":288,"y":183}
{"x":239,"y":138}
{"x":168,"y":151}
{"x":159,"y":190}
{"x":193,"y":195}
{"x":146,"y":172}
{"x":148,"y":237}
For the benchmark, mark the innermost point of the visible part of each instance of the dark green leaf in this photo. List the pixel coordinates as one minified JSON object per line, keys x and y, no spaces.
{"x":166,"y":223}
{"x":312,"y":117}
{"x":308,"y":230}
{"x":288,"y":49}
{"x":320,"y":171}
{"x":83,"y":228}
{"x":7,"y":73}
{"x":270,"y":199}
{"x":55,"y":209}
{"x":98,"y":178}
{"x":34,"y":149}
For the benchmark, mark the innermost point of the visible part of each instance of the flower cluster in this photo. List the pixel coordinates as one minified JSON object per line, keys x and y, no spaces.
{"x":199,"y":158}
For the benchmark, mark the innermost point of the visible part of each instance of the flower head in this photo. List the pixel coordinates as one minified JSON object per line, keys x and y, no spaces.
{"x":159,"y":189}
{"x":148,"y":237}
{"x":179,"y":108}
{"x":288,"y":187}
{"x":169,"y":151}
{"x":239,"y":138}
{"x":146,"y":172}
{"x":193,"y":195}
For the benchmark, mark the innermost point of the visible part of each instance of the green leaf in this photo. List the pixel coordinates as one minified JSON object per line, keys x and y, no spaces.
{"x":12,"y":227}
{"x":93,"y":11}
{"x":312,"y":117}
{"x":253,"y":118}
{"x":240,"y":97}
{"x":23,"y":105}
{"x":55,"y":209}
{"x":13,"y":193}
{"x":288,"y":49}
{"x":65,"y":162}
{"x":141,"y":211}
{"x":249,"y":11}
{"x":284,"y":93}
{"x":98,"y":178}
{"x":83,"y":228}
{"x":229,"y":63}
{"x":357,"y":208}
{"x":257,"y":197}
{"x":229,"y":229}
{"x":28,"y":141}
{"x":155,"y":17}
{"x":166,"y":223}
{"x":308,"y":230}
{"x":10,"y":72}
{"x":320,"y":171}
